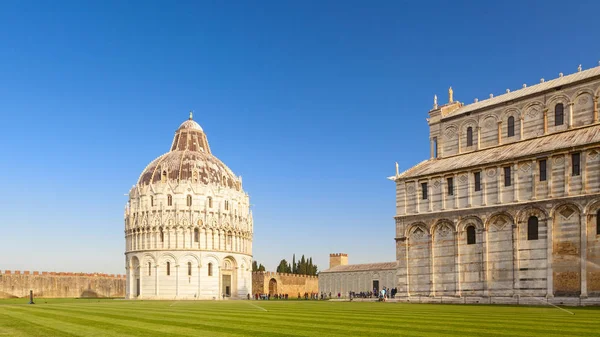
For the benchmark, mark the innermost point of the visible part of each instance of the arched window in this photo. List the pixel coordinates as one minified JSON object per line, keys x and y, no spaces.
{"x":168,"y":268}
{"x":149,"y":268}
{"x":169,"y":200}
{"x":210,"y":269}
{"x":151,"y":200}
{"x":559,"y":114}
{"x":511,"y":126}
{"x":196,"y":235}
{"x":163,"y":177}
{"x":162,"y":235}
{"x":471,"y":235}
{"x":598,"y":223}
{"x":469,"y":136}
{"x":189,"y":269}
{"x":209,"y":202}
{"x":532,"y":228}
{"x":189,"y":200}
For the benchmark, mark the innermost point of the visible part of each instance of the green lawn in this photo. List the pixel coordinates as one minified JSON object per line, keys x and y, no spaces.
{"x":86,"y":317}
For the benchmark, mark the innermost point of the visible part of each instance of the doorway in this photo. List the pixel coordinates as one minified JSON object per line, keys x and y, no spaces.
{"x":272,"y":287}
{"x":376,"y":286}
{"x":227,"y":285}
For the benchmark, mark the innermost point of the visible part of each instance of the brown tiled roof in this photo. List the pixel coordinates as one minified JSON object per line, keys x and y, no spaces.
{"x":563,"y":140}
{"x":362,"y":267}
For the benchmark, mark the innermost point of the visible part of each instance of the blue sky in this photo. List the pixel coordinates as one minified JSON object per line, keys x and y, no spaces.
{"x":311,"y":102}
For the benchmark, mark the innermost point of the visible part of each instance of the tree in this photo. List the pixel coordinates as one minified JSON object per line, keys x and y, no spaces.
{"x":261,"y":267}
{"x":257,"y":267}
{"x":284,"y":267}
{"x":294,"y":267}
{"x":302,"y":266}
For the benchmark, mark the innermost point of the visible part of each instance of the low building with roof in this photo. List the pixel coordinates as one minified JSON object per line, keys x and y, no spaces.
{"x":344,"y":278}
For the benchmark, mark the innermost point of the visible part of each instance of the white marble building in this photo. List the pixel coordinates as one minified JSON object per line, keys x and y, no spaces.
{"x":188,"y":226}
{"x":507,"y":208}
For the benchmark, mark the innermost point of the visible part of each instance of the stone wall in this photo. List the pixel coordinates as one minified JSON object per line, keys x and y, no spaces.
{"x":356,"y":281}
{"x":50,"y":284}
{"x":283,"y":283}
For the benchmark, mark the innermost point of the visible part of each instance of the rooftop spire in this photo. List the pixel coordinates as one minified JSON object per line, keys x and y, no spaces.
{"x":191,"y":114}
{"x":450,"y":95}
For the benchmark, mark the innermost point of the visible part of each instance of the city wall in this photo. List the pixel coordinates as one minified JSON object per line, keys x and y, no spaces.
{"x":14,"y":284}
{"x":283,"y":283}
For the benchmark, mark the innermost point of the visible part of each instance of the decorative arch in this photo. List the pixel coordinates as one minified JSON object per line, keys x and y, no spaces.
{"x":165,"y":257}
{"x":495,"y":219}
{"x":582,"y":91}
{"x":558,"y":98}
{"x":563,"y":208}
{"x":414,"y":226}
{"x":526,"y":212}
{"x":512,"y":111}
{"x":470,"y":220}
{"x":592,"y":207}
{"x":149,"y":258}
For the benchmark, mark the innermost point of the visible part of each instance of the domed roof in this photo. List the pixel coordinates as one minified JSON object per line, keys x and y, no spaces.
{"x":190,"y":159}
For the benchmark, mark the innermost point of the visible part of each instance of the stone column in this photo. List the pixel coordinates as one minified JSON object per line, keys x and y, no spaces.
{"x":417,"y":196}
{"x":533,"y":179}
{"x":199,"y":293}
{"x":595,"y":120}
{"x":470,"y":176}
{"x":431,"y":266}
{"x":457,"y":260}
{"x":521,"y":121}
{"x":571,"y":115}
{"x":567,"y":174}
{"x":499,"y":173}
{"x":478,"y":138}
{"x":545,"y":120}
{"x":431,"y":148}
{"x":176,"y":280}
{"x":515,"y":177}
{"x":549,"y":267}
{"x":516,"y":262}
{"x":455,"y":190}
{"x":127,"y":281}
{"x":484,"y":191}
{"x":459,"y":141}
{"x":499,"y":132}
{"x":583,"y":251}
{"x":549,"y":176}
{"x":484,"y":263}
{"x":443,"y":191}
{"x":429,"y":195}
{"x":583,"y":169}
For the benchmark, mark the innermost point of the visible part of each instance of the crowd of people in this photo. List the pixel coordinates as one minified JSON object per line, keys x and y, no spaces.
{"x":382,"y":295}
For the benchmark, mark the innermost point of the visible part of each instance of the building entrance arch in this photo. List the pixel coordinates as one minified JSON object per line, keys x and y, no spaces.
{"x":272,"y":287}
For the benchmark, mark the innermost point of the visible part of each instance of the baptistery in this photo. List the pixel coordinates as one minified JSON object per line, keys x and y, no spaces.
{"x":188,"y":225}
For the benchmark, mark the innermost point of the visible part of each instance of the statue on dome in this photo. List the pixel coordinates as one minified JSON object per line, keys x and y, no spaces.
{"x":450,"y":95}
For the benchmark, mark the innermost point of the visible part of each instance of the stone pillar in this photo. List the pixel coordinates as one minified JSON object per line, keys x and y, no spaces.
{"x":499,"y":183}
{"x":534,"y":179}
{"x":583,"y":170}
{"x":431,"y":148}
{"x":595,"y":120}
{"x":417,"y":196}
{"x":457,"y":260}
{"x":199,"y":291}
{"x":545,"y":120}
{"x":521,"y":121}
{"x":484,"y":263}
{"x":429,"y":195}
{"x":459,"y":141}
{"x":431,"y":266}
{"x":176,"y":280}
{"x":470,"y":176}
{"x":516,"y":262}
{"x":515,"y":178}
{"x":483,"y":188}
{"x":549,"y":267}
{"x":571,"y":115}
{"x":455,"y":190}
{"x":567,"y":174}
{"x":478,"y":138}
{"x":443,"y":191}
{"x":583,"y":230}
{"x":549,"y":177}
{"x":499,"y":132}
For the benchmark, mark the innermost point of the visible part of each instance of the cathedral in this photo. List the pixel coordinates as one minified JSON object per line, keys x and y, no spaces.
{"x":188,"y":225}
{"x":507,"y":207}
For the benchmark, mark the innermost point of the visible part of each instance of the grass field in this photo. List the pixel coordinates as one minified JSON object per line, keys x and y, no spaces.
{"x":85,"y":317}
